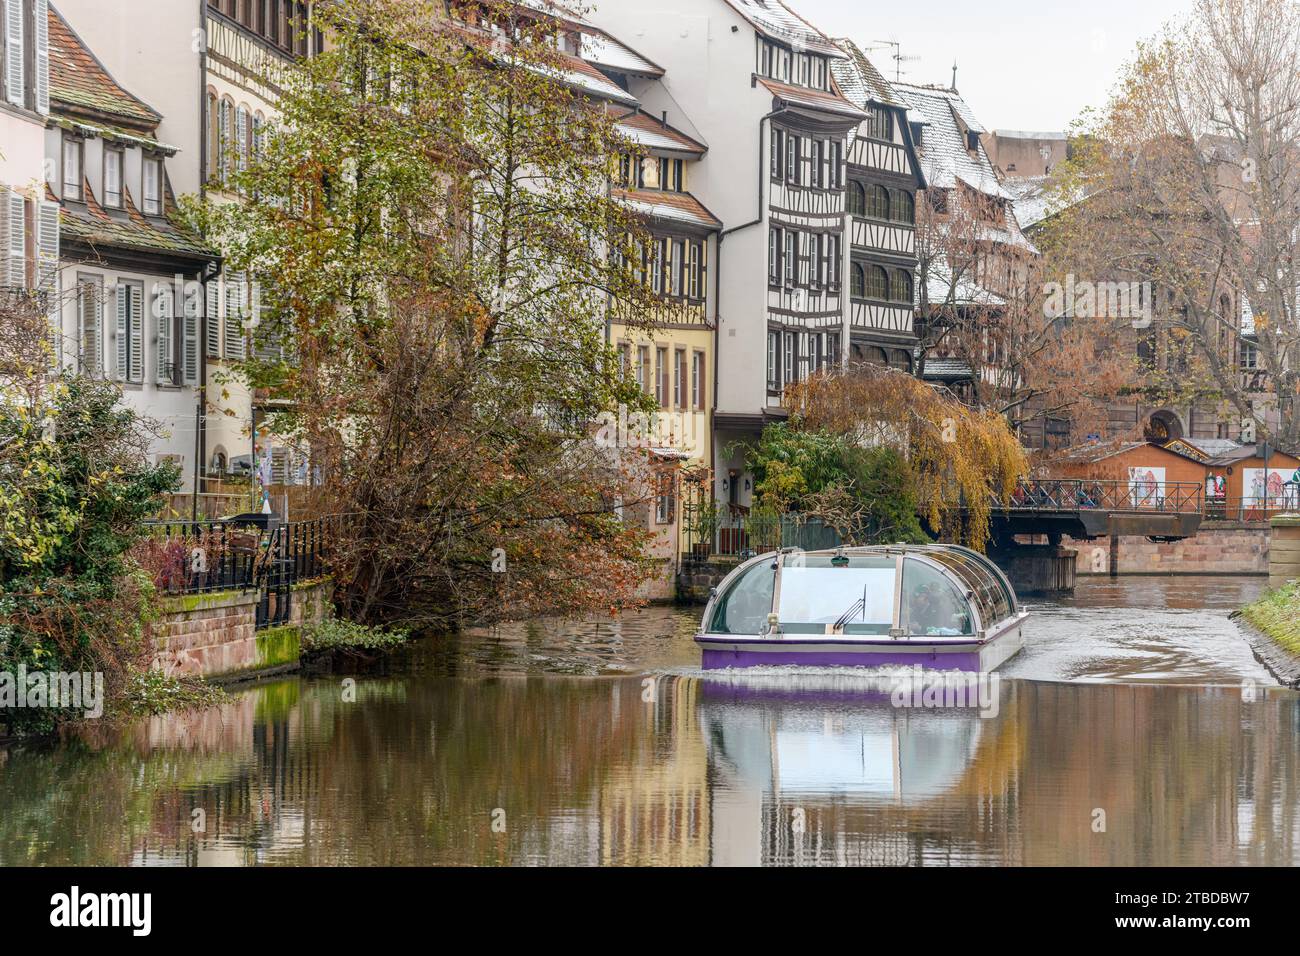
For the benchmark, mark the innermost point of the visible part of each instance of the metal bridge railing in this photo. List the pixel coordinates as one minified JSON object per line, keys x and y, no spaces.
{"x":1080,"y":494}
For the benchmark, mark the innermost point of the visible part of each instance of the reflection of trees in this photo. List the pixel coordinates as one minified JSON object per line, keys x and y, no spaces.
{"x":1185,"y":776}
{"x":588,"y":772}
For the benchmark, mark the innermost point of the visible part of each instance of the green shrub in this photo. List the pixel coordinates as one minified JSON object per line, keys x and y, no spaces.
{"x":152,"y":692}
{"x":334,"y":634}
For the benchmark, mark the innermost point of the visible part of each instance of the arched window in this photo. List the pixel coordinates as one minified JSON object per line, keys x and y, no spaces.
{"x":904,"y":207}
{"x":878,"y":202}
{"x":857,"y":198}
{"x":858,"y":286}
{"x":877,"y":283}
{"x":900,"y":286}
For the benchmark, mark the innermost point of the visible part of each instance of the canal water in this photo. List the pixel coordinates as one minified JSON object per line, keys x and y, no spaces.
{"x":1135,"y":728}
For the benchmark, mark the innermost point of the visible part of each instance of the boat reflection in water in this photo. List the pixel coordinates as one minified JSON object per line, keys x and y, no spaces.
{"x":941,"y":606}
{"x":826,"y":766}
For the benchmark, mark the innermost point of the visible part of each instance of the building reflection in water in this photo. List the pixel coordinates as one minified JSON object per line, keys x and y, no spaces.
{"x":692,"y":770}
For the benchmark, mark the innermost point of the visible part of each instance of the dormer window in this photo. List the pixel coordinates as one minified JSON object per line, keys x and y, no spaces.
{"x":72,"y":155}
{"x":153,"y":173}
{"x":777,"y":62}
{"x":112,"y":177}
{"x":880,"y":123}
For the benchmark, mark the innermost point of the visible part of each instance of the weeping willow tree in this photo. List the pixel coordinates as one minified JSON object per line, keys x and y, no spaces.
{"x":962,"y":461}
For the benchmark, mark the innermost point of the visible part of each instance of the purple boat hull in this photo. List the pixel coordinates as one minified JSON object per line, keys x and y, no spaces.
{"x":977,"y":656}
{"x":714,"y":659}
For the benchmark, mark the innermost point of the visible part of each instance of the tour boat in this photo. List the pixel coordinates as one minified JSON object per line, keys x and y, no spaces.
{"x":941,"y":606}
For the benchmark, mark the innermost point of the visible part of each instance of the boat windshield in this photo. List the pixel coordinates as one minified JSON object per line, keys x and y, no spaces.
{"x":743,"y":608}
{"x":818,"y":593}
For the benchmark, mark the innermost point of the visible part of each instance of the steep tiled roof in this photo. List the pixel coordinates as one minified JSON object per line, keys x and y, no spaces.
{"x":777,"y":21}
{"x":602,"y":50}
{"x":1037,"y":198}
{"x":96,"y":227}
{"x":669,"y":207}
{"x":859,"y":79}
{"x":649,"y":132}
{"x":584,"y":77}
{"x":947,"y":370}
{"x":943,"y":146}
{"x":812,"y":99}
{"x":79,"y":82}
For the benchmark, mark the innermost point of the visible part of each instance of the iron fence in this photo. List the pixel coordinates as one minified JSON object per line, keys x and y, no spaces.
{"x":732,"y":531}
{"x":1254,"y":507}
{"x":253,"y":553}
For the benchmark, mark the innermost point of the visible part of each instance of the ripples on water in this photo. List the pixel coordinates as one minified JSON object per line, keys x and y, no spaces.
{"x":556,"y":729}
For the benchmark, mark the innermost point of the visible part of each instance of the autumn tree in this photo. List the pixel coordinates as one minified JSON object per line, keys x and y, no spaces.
{"x":432,"y":227}
{"x":960,"y":461}
{"x":981,"y":301}
{"x":1194,"y":188}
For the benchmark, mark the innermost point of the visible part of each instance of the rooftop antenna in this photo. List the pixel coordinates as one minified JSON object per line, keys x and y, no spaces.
{"x":896,"y":56}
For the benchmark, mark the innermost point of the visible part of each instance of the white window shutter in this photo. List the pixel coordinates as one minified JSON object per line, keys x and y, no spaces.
{"x":54,"y":310}
{"x":42,"y":17}
{"x":241,"y":139}
{"x":123,"y":333}
{"x":15,"y":91}
{"x":165,"y":311}
{"x":137,"y":334}
{"x":235,"y":313}
{"x":15,"y":214}
{"x":47,"y":244}
{"x":212,"y":308}
{"x":4,"y":233}
{"x":190,"y":342}
{"x":223,"y":140}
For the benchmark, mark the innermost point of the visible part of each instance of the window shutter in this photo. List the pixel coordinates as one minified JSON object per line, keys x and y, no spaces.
{"x":165,"y":311}
{"x":90,"y":308}
{"x":137,"y":333}
{"x":235,"y":315}
{"x":190,"y":342}
{"x":223,"y":140}
{"x":122,"y":335}
{"x":47,"y":245}
{"x":4,"y":234}
{"x":42,"y":56}
{"x":14,"y":79}
{"x":16,"y":209}
{"x":241,"y":139}
{"x":213,"y":317}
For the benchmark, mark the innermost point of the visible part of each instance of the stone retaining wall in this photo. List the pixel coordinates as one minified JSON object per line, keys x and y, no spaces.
{"x":1284,"y":554}
{"x":215,"y":635}
{"x":1220,"y":547}
{"x":696,"y":579}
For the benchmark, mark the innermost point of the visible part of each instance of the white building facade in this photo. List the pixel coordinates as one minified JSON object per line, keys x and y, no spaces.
{"x":130,"y":300}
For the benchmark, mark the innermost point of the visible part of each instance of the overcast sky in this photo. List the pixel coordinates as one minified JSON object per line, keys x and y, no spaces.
{"x":1027,"y":64}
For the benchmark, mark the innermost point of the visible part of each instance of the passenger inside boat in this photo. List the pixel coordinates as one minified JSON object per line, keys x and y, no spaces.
{"x":932,"y":606}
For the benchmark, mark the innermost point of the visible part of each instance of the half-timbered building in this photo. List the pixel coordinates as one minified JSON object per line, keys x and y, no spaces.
{"x":972,"y":257}
{"x":755,"y":81}
{"x":884,"y":182}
